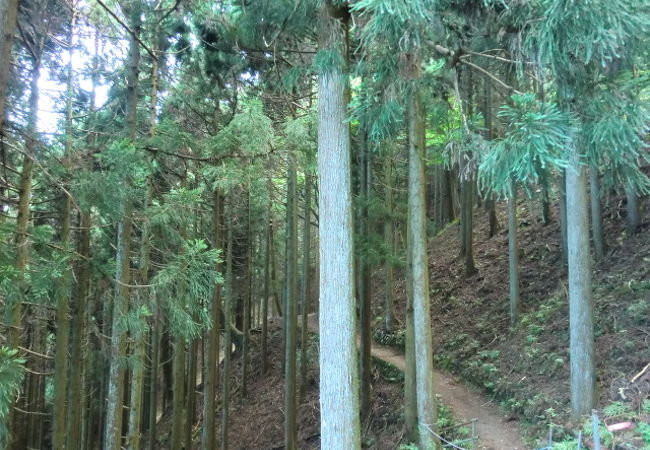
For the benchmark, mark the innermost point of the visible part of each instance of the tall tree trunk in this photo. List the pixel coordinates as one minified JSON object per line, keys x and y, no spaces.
{"x":513,"y":256}
{"x":419,"y":268}
{"x":153,"y":378}
{"x":178,"y":399}
{"x":114,"y":413}
{"x":190,"y":392}
{"x":389,"y":239}
{"x":340,"y":425}
{"x":227,"y":341}
{"x":290,"y":404}
{"x":248,"y":297}
{"x":467,"y":189}
{"x":82,"y":275}
{"x":267,"y":288}
{"x":563,"y":215}
{"x":306,"y":284}
{"x":489,"y":196}
{"x":596,"y":214}
{"x":212,"y":347}
{"x":410,"y":391}
{"x":365,"y":294}
{"x":115,"y":401}
{"x":17,"y":421}
{"x":633,"y":216}
{"x":583,"y":377}
{"x":8,"y":16}
{"x":62,"y":313}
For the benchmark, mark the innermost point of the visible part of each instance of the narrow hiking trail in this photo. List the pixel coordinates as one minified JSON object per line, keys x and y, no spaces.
{"x":495,"y":432}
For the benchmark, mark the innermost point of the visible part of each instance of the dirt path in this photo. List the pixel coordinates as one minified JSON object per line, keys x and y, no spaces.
{"x":494,"y":431}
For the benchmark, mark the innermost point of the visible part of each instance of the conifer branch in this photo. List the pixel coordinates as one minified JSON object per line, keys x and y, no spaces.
{"x":128,"y":30}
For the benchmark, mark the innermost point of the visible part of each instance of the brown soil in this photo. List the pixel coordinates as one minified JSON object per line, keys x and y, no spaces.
{"x":258,"y":420}
{"x":527,"y":369}
{"x":493,"y":430}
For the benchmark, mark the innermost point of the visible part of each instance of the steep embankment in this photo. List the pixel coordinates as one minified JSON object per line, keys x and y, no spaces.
{"x":526,"y":369}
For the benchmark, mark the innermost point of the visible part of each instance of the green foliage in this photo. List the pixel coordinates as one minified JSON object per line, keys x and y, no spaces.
{"x":388,"y":371}
{"x":395,"y":22}
{"x":11,"y":374}
{"x":644,"y":431}
{"x":249,"y":133}
{"x":615,"y":121}
{"x":537,"y":135}
{"x":578,"y":37}
{"x":617,"y":409}
{"x":184,"y":286}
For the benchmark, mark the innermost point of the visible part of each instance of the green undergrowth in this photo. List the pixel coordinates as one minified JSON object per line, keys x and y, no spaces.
{"x":633,"y":438}
{"x":449,"y":429}
{"x":388,"y":371}
{"x":395,"y":338}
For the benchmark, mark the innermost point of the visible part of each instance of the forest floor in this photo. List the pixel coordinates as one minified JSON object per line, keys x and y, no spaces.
{"x":514,"y":381}
{"x":526,"y":369}
{"x":493,"y":430}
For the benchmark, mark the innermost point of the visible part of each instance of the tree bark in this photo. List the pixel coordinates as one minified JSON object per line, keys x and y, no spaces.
{"x":212,"y":347}
{"x":227,"y":342}
{"x":290,"y":431}
{"x":365,"y":294}
{"x":8,"y":17}
{"x":115,"y":400}
{"x":178,"y":399}
{"x":267,"y":289}
{"x":340,"y":425}
{"x":633,"y":216}
{"x":513,"y":257}
{"x":563,"y":215}
{"x":419,"y":268}
{"x":389,"y":239}
{"x":62,"y":313}
{"x":596,"y":214}
{"x":583,"y":394}
{"x":247,"y":299}
{"x":306,"y":284}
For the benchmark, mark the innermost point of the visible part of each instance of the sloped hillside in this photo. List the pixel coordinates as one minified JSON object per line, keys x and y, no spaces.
{"x":526,"y":369}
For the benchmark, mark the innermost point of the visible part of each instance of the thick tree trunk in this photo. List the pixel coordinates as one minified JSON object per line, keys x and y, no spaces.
{"x":389,"y":239}
{"x":583,"y":394}
{"x":419,"y":268}
{"x":82,"y":275}
{"x":306,"y":284}
{"x":410,"y":392}
{"x":8,"y":16}
{"x":513,"y":257}
{"x":340,"y":425}
{"x":290,"y":406}
{"x":212,"y":347}
{"x":596,"y":214}
{"x":467,"y":189}
{"x":18,"y":422}
{"x":267,"y":290}
{"x":115,"y":400}
{"x":247,"y":298}
{"x":62,"y":342}
{"x":62,"y":313}
{"x":227,"y":342}
{"x":365,"y":294}
{"x":178,"y":399}
{"x":633,"y":216}
{"x":190,"y":392}
{"x":114,"y":414}
{"x":563,"y":215}
{"x":153,"y":378}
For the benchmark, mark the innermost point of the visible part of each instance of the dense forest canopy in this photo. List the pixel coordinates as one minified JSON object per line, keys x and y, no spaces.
{"x":183,"y":180}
